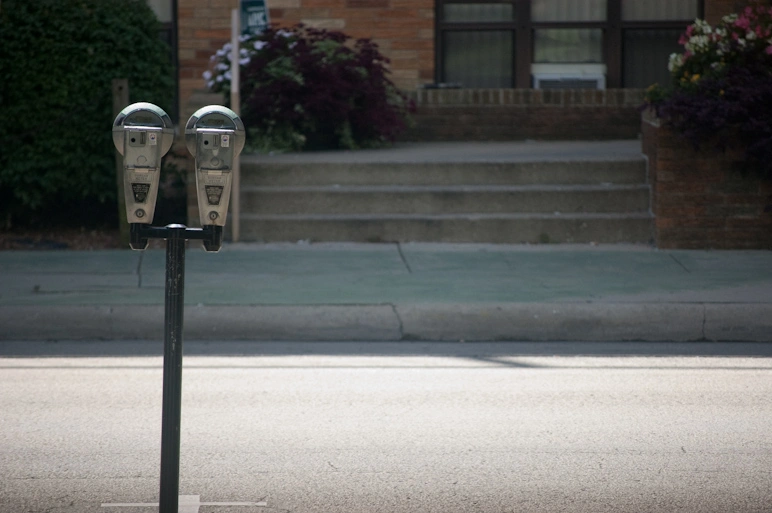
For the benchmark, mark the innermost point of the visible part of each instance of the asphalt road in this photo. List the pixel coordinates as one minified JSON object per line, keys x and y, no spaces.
{"x":391,"y":427}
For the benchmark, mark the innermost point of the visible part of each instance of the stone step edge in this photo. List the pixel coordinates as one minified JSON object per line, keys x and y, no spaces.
{"x":448,"y":217}
{"x":417,"y":189}
{"x":249,"y":160}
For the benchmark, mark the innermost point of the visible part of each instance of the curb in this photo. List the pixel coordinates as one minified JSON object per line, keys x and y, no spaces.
{"x":586,"y":322}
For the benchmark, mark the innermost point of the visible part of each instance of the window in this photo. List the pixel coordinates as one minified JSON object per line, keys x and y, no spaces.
{"x":479,"y":59}
{"x":585,"y":43}
{"x":567,"y":45}
{"x":645,"y":56}
{"x":568,"y":10}
{"x":657,"y":10}
{"x":470,"y":13}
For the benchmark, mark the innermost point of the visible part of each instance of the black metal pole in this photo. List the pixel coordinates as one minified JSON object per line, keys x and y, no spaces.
{"x":172,"y":380}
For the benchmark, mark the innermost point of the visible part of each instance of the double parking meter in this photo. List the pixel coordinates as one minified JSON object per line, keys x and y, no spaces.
{"x":143,"y":133}
{"x":215,"y":136}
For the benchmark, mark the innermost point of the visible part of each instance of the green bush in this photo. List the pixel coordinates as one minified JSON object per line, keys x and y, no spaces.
{"x":57,"y":62}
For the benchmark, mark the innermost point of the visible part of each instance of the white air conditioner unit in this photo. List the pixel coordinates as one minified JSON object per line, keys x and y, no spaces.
{"x":569,"y":81}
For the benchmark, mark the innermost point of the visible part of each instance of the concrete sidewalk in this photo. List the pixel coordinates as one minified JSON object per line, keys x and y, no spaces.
{"x":412,"y":291}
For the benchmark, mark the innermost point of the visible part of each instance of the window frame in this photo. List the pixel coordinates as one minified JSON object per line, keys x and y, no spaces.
{"x":523,"y":27}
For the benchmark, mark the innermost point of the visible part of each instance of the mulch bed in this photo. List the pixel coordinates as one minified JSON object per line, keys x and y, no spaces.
{"x":61,"y":239}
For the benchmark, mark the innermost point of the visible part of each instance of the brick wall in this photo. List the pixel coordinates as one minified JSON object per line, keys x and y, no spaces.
{"x":716,"y":9}
{"x":404,"y":30}
{"x":702,"y":199}
{"x":203,"y":26}
{"x":505,"y":114}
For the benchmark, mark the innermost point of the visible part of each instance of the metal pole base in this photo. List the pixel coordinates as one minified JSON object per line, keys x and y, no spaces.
{"x":176,"y":236}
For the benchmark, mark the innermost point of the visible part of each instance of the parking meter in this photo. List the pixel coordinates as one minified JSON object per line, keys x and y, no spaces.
{"x":143,"y":133}
{"x":215,"y":136}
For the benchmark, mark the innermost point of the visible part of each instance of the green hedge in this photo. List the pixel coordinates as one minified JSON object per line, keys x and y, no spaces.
{"x":57,"y":62}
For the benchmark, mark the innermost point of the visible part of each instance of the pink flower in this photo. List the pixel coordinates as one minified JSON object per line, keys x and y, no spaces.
{"x":768,"y":50}
{"x":743,"y":22}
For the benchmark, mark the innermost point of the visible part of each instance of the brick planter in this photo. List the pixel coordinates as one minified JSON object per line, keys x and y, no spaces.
{"x":701,"y":199}
{"x":507,"y":114}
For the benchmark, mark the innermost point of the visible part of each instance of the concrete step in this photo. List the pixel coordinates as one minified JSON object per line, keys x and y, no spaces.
{"x":438,"y":197}
{"x":257,"y":172}
{"x":460,"y":199}
{"x":478,"y":228}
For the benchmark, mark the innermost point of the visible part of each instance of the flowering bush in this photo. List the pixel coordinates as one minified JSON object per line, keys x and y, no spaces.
{"x":305,"y":88}
{"x":722,"y":84}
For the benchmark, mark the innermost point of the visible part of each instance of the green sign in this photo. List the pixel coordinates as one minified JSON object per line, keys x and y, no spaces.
{"x":254,"y":17}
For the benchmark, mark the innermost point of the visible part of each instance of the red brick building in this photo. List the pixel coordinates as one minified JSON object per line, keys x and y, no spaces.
{"x":524,"y":68}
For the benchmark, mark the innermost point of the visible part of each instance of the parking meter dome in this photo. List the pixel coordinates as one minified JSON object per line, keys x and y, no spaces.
{"x":215,"y":117}
{"x":143,"y":114}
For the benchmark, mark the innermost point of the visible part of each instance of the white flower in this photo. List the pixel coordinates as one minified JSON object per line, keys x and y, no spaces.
{"x":227,"y":75}
{"x":729,"y":18}
{"x":222,"y":67}
{"x":741,"y":42}
{"x":697,"y":43}
{"x":207,"y":75}
{"x":284,"y":33}
{"x":244,"y":61}
{"x":259,"y":45}
{"x":676,"y":61}
{"x":219,"y":78}
{"x":750,"y":35}
{"x":243,"y":52}
{"x":244,"y":37}
{"x":702,"y":26}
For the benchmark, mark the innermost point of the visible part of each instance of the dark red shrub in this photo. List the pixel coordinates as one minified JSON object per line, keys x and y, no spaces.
{"x":306,"y":88}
